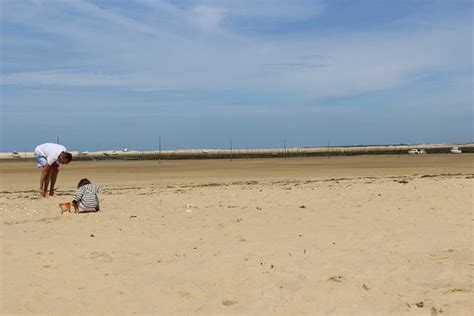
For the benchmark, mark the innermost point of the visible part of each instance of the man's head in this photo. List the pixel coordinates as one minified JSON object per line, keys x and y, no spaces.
{"x":65,"y":158}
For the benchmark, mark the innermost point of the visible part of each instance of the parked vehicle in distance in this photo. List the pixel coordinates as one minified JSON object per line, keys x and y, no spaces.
{"x":456,"y":150}
{"x":83,"y":153}
{"x":16,"y":154}
{"x":415,"y":151}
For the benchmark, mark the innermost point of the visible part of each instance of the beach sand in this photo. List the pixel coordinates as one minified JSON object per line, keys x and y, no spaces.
{"x":361,"y":235}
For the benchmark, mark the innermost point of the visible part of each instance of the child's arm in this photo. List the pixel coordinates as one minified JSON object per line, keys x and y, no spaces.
{"x":97,"y":208}
{"x":76,"y":206}
{"x":77,"y":199}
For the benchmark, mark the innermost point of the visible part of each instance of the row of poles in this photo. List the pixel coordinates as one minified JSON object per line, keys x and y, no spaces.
{"x":231,"y":148}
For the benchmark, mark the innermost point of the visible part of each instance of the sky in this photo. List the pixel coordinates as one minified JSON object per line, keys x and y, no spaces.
{"x":112,"y":74}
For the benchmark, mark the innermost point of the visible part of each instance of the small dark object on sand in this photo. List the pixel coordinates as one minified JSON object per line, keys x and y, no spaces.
{"x":336,"y":278}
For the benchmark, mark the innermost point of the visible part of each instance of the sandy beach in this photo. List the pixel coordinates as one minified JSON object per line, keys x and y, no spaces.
{"x":342,"y":235}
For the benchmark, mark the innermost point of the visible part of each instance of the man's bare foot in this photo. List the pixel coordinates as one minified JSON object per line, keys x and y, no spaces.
{"x":43,"y":193}
{"x":51,"y":192}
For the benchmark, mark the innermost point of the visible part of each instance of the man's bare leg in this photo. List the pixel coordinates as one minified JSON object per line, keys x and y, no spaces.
{"x":46,"y":183}
{"x":41,"y":188}
{"x":43,"y":178}
{"x":53,"y":176}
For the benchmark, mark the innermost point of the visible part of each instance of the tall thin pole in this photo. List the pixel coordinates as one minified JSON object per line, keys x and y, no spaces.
{"x":231,"y":149}
{"x":329,"y":153}
{"x":57,"y":140}
{"x":159,"y":152}
{"x":284,"y":146}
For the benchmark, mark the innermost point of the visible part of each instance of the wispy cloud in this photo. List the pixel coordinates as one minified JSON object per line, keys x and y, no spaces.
{"x":65,"y":78}
{"x":208,"y":17}
{"x":147,"y":53}
{"x":280,"y":10}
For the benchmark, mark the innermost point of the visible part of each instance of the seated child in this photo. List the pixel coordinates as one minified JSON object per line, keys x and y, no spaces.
{"x":86,"y":199}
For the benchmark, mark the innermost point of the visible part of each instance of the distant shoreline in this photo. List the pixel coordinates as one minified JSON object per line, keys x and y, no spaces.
{"x":251,"y":153}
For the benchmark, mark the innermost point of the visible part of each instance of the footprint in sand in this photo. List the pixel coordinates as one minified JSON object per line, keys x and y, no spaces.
{"x":228,"y":302}
{"x":456,"y":290}
{"x":435,"y":312}
{"x":336,"y":278}
{"x":99,"y":256}
{"x":185,"y":294}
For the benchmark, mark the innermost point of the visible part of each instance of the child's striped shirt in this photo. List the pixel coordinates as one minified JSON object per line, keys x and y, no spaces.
{"x":87,"y":195}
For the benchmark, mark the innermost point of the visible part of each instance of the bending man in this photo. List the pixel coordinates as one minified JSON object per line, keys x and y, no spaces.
{"x":49,"y":156}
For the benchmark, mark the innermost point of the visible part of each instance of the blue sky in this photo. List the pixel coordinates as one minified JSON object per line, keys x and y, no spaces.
{"x":113,"y":74}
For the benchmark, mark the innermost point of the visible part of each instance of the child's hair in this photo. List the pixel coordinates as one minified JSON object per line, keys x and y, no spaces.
{"x":83,"y":182}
